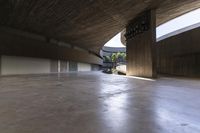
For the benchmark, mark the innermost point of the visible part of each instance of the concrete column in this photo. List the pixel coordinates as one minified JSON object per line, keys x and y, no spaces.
{"x":67,"y":66}
{"x":141,"y":51}
{"x":58,"y":66}
{"x":63,"y":66}
{"x":0,"y":65}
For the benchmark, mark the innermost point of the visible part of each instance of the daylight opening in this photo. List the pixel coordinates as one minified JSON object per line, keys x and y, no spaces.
{"x":181,"y":24}
{"x":114,"y":52}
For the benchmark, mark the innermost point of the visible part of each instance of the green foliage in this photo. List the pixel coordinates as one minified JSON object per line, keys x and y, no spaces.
{"x":114,"y":57}
{"x":123,"y":56}
{"x":107,"y":58}
{"x":118,"y":57}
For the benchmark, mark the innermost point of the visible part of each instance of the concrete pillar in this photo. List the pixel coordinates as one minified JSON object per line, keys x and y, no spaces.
{"x":0,"y":64}
{"x":58,"y":66}
{"x":141,"y":51}
{"x":63,"y":66}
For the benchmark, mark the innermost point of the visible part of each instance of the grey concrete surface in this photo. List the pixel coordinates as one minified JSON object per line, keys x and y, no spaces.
{"x":98,"y":103}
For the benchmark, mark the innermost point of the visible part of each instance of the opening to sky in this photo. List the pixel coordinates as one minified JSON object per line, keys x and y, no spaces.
{"x":178,"y":23}
{"x":115,"y":41}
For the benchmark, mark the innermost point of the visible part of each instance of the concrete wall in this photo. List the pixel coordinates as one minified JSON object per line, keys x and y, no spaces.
{"x":28,"y":53}
{"x":24,"y":65}
{"x":141,"y":49}
{"x":13,"y":65}
{"x":95,"y":67}
{"x":84,"y":67}
{"x":13,"y":43}
{"x":180,"y":54}
{"x":54,"y":66}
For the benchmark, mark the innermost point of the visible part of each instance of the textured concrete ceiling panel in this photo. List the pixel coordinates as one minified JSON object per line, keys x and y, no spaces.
{"x":170,"y":9}
{"x":85,"y":23}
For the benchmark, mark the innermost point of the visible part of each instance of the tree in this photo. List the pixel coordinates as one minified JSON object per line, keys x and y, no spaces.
{"x":123,"y":56}
{"x":107,"y":59}
{"x":120,"y":57}
{"x":114,"y":58}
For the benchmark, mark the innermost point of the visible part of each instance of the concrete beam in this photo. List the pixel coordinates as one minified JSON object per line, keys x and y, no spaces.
{"x":23,"y":45}
{"x":141,"y":51}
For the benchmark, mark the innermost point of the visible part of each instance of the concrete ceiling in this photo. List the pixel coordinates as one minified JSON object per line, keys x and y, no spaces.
{"x":85,"y":23}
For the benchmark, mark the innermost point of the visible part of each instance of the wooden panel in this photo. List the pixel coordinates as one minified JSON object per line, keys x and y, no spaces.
{"x":141,"y":50}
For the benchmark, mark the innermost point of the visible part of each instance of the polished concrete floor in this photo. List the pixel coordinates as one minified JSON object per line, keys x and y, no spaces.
{"x":98,"y":103}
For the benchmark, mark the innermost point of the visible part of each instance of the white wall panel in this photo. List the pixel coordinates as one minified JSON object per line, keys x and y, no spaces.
{"x":84,"y":67}
{"x":24,"y":65}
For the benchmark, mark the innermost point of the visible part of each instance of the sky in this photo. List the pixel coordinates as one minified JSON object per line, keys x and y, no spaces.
{"x":115,"y":41}
{"x":168,"y":27}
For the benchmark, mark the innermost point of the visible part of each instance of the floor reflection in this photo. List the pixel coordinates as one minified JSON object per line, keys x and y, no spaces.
{"x":98,"y":103}
{"x":122,"y":105}
{"x":115,"y":114}
{"x":114,"y":105}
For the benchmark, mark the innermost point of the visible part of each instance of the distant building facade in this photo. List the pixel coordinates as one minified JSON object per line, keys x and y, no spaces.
{"x":107,"y":53}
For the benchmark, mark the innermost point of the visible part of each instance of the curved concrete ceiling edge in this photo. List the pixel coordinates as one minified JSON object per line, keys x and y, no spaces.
{"x":87,"y":24}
